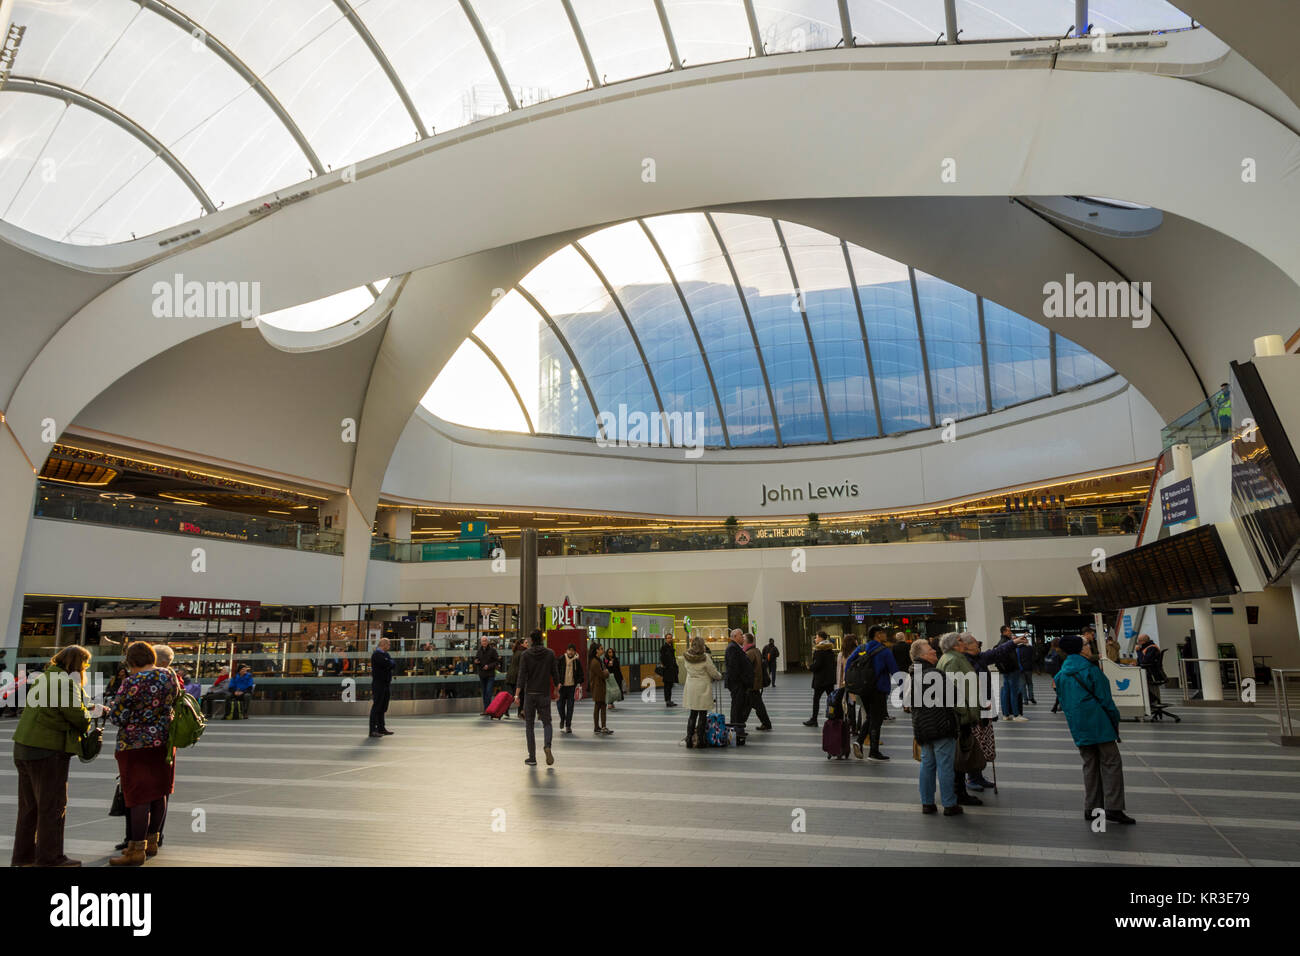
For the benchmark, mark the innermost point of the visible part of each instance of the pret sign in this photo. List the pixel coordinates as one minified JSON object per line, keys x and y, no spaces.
{"x":188,"y":608}
{"x":566,"y":615}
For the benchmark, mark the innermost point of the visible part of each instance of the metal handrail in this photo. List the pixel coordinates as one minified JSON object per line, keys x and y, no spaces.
{"x":1284,"y":722}
{"x":1182,"y":674}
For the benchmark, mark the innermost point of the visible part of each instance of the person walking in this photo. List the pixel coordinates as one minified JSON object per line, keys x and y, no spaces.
{"x":755,"y":702}
{"x":698,"y":692}
{"x":935,"y":728}
{"x":241,"y":692}
{"x":570,"y":679}
{"x":875,"y":659}
{"x":668,"y":669}
{"x":487,"y":661}
{"x":1052,"y":665}
{"x":823,"y":673}
{"x":597,"y":673}
{"x":616,"y":670}
{"x":771,"y":654}
{"x":381,"y":687}
{"x":1090,"y":711}
{"x":1009,"y":670}
{"x":849,"y":703}
{"x":142,"y":712}
{"x":740,"y":678}
{"x":538,"y":670}
{"x":48,"y":733}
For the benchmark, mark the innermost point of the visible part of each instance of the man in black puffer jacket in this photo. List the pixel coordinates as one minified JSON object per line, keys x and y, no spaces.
{"x":823,"y":673}
{"x":934,"y":725}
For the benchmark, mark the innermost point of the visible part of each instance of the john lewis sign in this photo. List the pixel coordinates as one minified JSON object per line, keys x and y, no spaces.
{"x":809,"y":492}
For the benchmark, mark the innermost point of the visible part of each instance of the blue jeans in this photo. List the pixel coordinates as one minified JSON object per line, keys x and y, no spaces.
{"x":1028,"y":692}
{"x":487,"y":683}
{"x":936,"y":758}
{"x":1011,"y":684}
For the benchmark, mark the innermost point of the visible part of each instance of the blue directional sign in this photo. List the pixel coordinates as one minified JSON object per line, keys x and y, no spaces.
{"x":1178,"y":502}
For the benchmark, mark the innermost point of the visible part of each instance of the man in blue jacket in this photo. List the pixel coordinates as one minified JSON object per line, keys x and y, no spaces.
{"x":1084,"y":693}
{"x":875,"y":699}
{"x":241,"y":690}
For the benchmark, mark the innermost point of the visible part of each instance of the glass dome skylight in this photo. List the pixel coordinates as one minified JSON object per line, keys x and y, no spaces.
{"x":777,"y":334}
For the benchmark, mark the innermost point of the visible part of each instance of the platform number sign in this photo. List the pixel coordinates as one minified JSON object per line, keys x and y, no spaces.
{"x":71,"y":615}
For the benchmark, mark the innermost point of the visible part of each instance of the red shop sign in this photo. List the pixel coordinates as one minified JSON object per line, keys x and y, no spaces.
{"x":185,"y":608}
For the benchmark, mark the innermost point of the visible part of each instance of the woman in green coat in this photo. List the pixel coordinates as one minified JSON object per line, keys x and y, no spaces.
{"x":48,"y":734}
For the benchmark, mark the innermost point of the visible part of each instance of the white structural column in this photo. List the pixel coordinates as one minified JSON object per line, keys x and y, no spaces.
{"x":984,"y":609}
{"x":766,"y":619}
{"x":17,"y":488}
{"x":1202,"y":612}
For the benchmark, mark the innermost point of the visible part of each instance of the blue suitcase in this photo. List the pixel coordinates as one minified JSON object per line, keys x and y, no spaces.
{"x":715,"y":726}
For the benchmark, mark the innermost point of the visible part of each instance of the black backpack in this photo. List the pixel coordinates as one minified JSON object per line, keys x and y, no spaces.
{"x":860,"y":676}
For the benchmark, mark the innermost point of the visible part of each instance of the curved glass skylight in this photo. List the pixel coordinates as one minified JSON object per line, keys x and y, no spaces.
{"x":774,"y":333}
{"x":125,"y":117}
{"x":327,"y":312}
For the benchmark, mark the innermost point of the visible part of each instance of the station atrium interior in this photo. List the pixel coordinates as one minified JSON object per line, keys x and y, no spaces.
{"x":348,"y":343}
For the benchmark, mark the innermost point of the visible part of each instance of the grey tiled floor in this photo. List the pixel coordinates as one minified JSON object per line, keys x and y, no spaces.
{"x":310,"y":791}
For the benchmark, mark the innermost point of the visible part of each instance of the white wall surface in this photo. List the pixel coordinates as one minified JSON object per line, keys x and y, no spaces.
{"x":1104,"y":425}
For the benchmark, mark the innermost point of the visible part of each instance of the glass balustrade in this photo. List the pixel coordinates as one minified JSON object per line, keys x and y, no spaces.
{"x":70,"y":503}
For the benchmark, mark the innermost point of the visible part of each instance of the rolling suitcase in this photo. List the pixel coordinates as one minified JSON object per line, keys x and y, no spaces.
{"x":500,"y":705}
{"x":715,"y":727}
{"x":835,"y":739}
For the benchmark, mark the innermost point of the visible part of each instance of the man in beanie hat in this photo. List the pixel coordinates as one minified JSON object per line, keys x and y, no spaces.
{"x":1084,"y":694}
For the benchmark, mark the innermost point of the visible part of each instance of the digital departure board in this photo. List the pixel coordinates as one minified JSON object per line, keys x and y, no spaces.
{"x":1184,"y":566}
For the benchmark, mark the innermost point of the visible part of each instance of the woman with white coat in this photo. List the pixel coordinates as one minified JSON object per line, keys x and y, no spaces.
{"x":700,"y":673}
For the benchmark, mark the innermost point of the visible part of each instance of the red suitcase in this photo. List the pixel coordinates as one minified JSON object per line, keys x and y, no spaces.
{"x":835,"y":739}
{"x":500,"y":705}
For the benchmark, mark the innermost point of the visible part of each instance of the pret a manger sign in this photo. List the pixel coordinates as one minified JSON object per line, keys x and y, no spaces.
{"x":183,"y":608}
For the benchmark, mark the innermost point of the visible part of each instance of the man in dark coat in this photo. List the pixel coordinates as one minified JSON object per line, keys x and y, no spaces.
{"x":487,"y":661}
{"x":538,"y":670}
{"x":381,"y":685}
{"x":668,"y":669}
{"x":823,"y":673}
{"x":740,"y":678}
{"x":771,"y":654}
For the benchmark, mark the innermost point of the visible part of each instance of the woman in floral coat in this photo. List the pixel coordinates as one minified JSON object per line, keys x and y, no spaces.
{"x":142,"y":711}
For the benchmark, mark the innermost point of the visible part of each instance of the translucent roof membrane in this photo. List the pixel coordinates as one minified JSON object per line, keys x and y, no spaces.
{"x":768,"y":331}
{"x":536,"y":46}
{"x":793,"y":26}
{"x":891,"y":21}
{"x":707,"y":31}
{"x":247,"y":98}
{"x":625,"y":37}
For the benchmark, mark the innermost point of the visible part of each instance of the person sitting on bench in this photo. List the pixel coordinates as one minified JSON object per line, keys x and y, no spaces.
{"x":241,"y":691}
